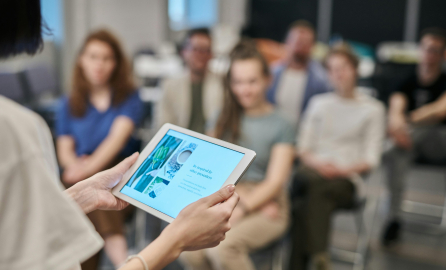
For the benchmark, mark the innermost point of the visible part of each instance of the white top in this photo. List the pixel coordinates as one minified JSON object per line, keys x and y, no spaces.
{"x":344,"y":131}
{"x":40,"y":227}
{"x":291,"y":92}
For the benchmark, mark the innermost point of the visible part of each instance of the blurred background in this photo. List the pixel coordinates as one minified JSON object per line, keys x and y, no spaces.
{"x":384,"y":34}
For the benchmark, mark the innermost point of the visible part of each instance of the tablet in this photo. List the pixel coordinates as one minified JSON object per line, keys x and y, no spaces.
{"x":178,"y":167}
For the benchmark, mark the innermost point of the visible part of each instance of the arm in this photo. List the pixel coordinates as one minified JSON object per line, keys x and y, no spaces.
{"x":66,"y":152}
{"x":106,"y":152}
{"x":373,"y":142}
{"x":430,"y":113}
{"x":202,"y":224}
{"x":165,"y":106}
{"x":397,"y":125}
{"x":277,"y":174}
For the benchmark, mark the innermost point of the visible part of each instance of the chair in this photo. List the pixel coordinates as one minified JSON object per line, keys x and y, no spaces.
{"x":40,"y":80}
{"x":11,"y":87}
{"x":42,"y":88}
{"x":271,"y":257}
{"x":427,"y":209}
{"x":364,"y":213}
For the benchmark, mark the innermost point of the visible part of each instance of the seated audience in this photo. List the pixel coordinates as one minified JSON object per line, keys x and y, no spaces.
{"x":194,"y":97}
{"x":340,"y":139}
{"x":298,"y":78}
{"x":249,"y":120}
{"x":417,"y":114}
{"x":95,"y":126}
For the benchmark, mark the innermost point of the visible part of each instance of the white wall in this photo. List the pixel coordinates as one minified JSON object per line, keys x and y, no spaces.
{"x":233,"y":12}
{"x":138,"y":23}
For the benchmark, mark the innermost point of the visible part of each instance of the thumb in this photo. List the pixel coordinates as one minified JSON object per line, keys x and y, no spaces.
{"x":124,"y":165}
{"x":220,"y":196}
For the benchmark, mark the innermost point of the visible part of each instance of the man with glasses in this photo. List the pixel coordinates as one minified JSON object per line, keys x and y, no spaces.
{"x":417,"y":118}
{"x":197,"y":95}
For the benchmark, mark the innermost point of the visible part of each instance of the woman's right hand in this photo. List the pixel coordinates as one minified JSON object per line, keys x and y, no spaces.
{"x":203,"y":224}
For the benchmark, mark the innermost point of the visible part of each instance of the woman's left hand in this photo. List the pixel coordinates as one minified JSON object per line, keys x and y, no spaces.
{"x":237,"y":215}
{"x":77,"y":171}
{"x":271,"y":210}
{"x":95,"y":192}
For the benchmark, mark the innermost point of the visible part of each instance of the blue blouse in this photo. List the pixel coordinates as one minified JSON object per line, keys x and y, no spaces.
{"x":93,"y":127}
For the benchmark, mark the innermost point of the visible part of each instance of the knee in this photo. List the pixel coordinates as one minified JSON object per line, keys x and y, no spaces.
{"x":225,"y":252}
{"x":193,"y":259}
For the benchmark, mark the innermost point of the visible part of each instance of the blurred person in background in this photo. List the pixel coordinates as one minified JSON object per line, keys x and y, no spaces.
{"x":194,"y":97}
{"x":249,"y":120}
{"x":95,"y":124}
{"x":417,"y":115}
{"x":340,"y":139}
{"x":299,"y":78}
{"x":44,"y":228}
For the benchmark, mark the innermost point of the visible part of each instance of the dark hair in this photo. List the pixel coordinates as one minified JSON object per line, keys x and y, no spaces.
{"x":344,"y":50}
{"x":436,"y":32}
{"x":228,"y":123}
{"x":302,"y":24}
{"x":121,"y":81}
{"x":20,"y":27}
{"x":196,"y":31}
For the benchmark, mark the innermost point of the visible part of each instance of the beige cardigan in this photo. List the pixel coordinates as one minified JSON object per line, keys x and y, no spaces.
{"x":175,"y":106}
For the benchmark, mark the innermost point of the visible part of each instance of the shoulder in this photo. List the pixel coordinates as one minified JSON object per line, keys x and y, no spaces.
{"x":372,"y":103}
{"x":134,"y":97}
{"x":212,"y":75}
{"x":285,"y":130}
{"x":278,"y":69}
{"x":132,"y":101}
{"x":214,"y":81}
{"x":20,"y":125}
{"x":278,"y":118}
{"x":64,"y":102}
{"x":169,"y":84}
{"x":323,"y":99}
{"x":14,"y":113}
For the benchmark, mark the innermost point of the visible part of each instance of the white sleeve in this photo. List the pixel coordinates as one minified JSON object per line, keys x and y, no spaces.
{"x":374,"y":137}
{"x":306,"y":137}
{"x":40,"y":228}
{"x":164,"y":110}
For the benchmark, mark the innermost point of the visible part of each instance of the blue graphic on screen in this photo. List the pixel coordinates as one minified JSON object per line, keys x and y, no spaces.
{"x":180,"y":170}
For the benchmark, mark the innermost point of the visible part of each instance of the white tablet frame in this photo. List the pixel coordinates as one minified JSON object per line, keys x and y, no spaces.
{"x":233,"y":178}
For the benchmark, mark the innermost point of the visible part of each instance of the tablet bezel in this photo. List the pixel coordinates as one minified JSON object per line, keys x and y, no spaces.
{"x":233,"y":178}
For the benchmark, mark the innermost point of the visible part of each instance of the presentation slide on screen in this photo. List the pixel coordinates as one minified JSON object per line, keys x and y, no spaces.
{"x":180,"y":170}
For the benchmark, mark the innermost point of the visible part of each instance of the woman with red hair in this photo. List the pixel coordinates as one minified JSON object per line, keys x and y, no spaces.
{"x":95,"y":126}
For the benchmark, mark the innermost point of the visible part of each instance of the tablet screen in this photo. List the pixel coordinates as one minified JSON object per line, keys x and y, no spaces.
{"x":180,"y":170}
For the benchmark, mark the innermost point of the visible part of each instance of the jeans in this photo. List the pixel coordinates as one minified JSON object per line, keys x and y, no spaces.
{"x":428,"y":146}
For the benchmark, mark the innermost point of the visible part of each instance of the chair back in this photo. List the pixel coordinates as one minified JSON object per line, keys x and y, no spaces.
{"x":40,"y":80}
{"x":11,"y":87}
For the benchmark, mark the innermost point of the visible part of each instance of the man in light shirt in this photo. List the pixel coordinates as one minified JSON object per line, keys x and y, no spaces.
{"x":195,"y":96}
{"x":340,"y":139}
{"x":298,"y":78}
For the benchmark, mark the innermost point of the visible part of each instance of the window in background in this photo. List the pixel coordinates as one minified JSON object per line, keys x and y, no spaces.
{"x":52,"y":15}
{"x":184,"y":14}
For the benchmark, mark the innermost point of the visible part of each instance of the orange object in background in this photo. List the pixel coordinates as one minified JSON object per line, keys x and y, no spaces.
{"x":273,"y":51}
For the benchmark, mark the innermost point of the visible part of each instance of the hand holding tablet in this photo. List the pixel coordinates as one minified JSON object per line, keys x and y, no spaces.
{"x":179,"y":167}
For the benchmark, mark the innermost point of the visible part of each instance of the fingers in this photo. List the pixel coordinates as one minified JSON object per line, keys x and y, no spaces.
{"x":124,"y":165}
{"x":220,"y":196}
{"x":231,"y":203}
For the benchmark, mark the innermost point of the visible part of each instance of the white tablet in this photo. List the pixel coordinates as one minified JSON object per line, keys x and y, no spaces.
{"x":178,"y":167}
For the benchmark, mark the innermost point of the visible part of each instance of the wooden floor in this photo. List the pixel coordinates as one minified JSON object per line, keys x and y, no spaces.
{"x":417,"y":250}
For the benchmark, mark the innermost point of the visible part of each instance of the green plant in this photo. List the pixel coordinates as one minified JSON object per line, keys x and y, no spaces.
{"x":159,"y":156}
